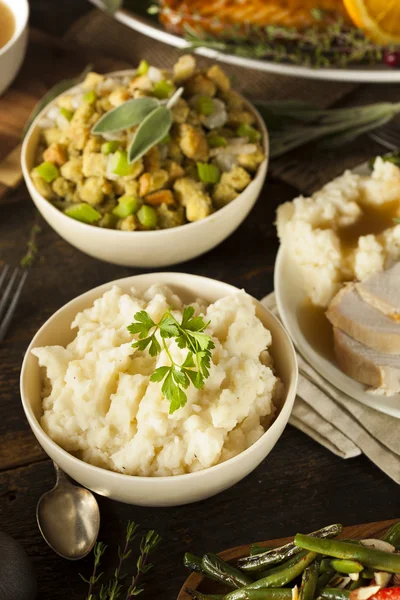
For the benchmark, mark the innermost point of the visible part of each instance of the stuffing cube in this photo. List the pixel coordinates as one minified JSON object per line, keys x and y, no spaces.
{"x":91,"y":191}
{"x":193,"y":143}
{"x":151,"y":182}
{"x":72,"y":170}
{"x":94,"y":164}
{"x":184,"y":68}
{"x":221,"y":80}
{"x":237,"y":179}
{"x":56,"y":154}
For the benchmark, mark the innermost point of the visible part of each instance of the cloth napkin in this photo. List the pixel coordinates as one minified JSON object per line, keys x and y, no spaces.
{"x":340,"y":423}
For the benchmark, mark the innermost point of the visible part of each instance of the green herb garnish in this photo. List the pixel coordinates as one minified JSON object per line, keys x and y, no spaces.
{"x":116,"y":587}
{"x":154,"y":120}
{"x":189,"y":333}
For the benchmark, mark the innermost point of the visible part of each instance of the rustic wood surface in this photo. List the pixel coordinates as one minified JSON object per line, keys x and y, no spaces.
{"x":299,"y":486}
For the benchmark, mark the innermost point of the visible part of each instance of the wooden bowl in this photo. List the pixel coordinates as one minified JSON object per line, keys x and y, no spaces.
{"x":197,"y":582}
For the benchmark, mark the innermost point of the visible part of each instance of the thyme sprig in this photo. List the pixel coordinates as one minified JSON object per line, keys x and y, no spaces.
{"x":336,"y":45}
{"x":29,"y":258}
{"x":116,"y":588}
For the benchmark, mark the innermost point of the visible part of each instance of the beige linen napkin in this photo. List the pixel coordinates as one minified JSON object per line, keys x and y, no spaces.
{"x":341,"y":424}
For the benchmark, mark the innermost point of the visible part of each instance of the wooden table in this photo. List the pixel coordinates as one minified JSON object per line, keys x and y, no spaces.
{"x":300,"y":486}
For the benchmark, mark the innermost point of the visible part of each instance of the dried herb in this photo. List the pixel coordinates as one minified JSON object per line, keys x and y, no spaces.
{"x":28,"y":260}
{"x":116,"y":588}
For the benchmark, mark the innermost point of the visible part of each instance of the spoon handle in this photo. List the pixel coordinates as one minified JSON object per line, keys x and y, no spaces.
{"x":61,"y":477}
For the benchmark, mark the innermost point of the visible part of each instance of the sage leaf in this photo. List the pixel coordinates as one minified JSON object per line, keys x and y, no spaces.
{"x":56,"y":90}
{"x":125,"y":115}
{"x":152,"y":130}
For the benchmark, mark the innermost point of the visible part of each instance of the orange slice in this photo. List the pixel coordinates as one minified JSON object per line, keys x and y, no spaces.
{"x":379,"y":19}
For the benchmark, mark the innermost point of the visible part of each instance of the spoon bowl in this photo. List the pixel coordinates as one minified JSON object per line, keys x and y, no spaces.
{"x":68,"y":517}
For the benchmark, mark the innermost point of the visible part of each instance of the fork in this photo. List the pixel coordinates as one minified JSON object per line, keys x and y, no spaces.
{"x":10,"y":292}
{"x":388,"y":135}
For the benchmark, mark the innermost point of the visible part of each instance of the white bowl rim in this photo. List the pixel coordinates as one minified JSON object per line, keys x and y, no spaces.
{"x":112,"y":232}
{"x":20,"y":25}
{"x":35,"y":425}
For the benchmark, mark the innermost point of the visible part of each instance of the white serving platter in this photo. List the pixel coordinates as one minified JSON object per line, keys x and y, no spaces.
{"x":291,"y":299}
{"x":149,"y":25}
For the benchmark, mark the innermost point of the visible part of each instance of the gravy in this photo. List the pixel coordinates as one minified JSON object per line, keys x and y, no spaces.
{"x":316,"y":329}
{"x":374,"y":219}
{"x":7,"y":24}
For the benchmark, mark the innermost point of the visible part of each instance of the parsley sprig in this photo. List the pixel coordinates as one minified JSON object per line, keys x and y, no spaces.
{"x":189,"y":333}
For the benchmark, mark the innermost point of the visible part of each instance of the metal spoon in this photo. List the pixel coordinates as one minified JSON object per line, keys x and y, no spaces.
{"x":68,"y":517}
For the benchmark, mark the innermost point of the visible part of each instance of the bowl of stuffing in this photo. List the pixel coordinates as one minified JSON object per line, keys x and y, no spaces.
{"x":147,"y":167}
{"x":159,"y":389}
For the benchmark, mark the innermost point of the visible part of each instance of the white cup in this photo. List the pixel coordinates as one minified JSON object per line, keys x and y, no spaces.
{"x":13,"y":53}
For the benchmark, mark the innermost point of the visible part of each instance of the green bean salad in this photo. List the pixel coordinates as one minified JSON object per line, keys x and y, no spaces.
{"x":151,"y":150}
{"x":313,"y":566}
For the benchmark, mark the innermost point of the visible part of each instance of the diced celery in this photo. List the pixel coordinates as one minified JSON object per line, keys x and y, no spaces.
{"x":83,"y":212}
{"x":205,"y":105}
{"x":163,"y":89}
{"x":120,"y":165}
{"x":208,"y":173}
{"x":47,"y":171}
{"x":127,"y":205}
{"x":247,"y":131}
{"x":216,"y":141}
{"x":142,"y":68}
{"x":68,"y":114}
{"x":108,"y":221}
{"x":147,"y":216}
{"x":109,"y":147}
{"x":90,"y":97}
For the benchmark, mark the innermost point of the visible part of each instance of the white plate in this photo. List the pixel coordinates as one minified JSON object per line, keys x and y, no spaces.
{"x":149,"y":26}
{"x":291,"y":299}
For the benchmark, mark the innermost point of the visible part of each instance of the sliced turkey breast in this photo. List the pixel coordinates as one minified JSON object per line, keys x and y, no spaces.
{"x":382,"y":291}
{"x":375,"y":369}
{"x":363,"y":322}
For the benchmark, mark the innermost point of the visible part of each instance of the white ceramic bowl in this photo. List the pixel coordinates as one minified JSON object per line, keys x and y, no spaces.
{"x":158,"y":491}
{"x":13,"y":53}
{"x":160,"y":248}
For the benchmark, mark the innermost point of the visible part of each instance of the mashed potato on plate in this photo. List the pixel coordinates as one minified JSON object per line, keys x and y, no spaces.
{"x":99,"y":402}
{"x":344,"y":231}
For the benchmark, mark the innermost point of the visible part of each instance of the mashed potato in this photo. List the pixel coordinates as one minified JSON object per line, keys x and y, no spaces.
{"x":99,"y":403}
{"x":314,"y":230}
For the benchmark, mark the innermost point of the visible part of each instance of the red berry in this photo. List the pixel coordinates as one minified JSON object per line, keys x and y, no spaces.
{"x":391,"y":58}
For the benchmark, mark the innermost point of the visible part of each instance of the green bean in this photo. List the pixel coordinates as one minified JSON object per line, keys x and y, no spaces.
{"x":261,"y":594}
{"x":360,"y":582}
{"x":323,"y":581}
{"x":309,"y":582}
{"x":277,"y":569}
{"x":193,"y":563}
{"x":393,"y":535}
{"x":369,"y":557}
{"x":277,"y":577}
{"x":257,"y":549}
{"x":221,"y":571}
{"x":335,"y":594}
{"x":278,"y":555}
{"x":340,"y":565}
{"x":368,"y":574}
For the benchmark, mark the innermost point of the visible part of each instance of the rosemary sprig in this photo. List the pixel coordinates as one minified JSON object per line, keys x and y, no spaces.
{"x":115,"y":587}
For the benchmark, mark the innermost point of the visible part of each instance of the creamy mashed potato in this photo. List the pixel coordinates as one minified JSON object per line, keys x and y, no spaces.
{"x":99,"y":403}
{"x":344,"y":231}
